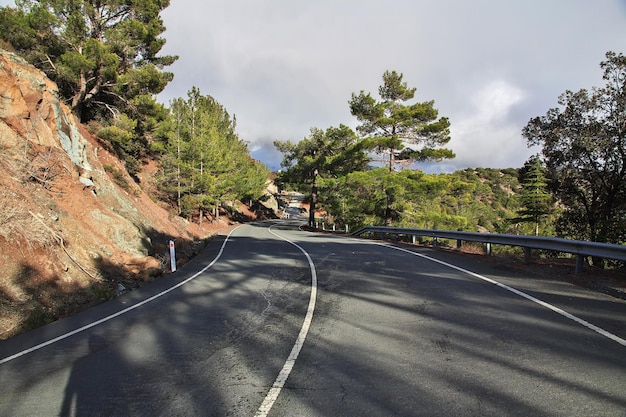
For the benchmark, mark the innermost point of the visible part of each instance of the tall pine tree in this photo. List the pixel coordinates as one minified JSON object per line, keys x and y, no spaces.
{"x":405,"y":132}
{"x":535,"y":199}
{"x":205,"y":163}
{"x":103,"y":54}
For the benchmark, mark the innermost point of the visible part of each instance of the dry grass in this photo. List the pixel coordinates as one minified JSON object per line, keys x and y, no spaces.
{"x":23,"y":170}
{"x":19,"y":227}
{"x":45,"y":167}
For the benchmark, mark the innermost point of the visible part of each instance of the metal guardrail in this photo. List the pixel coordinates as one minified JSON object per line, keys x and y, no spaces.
{"x":580,"y":248}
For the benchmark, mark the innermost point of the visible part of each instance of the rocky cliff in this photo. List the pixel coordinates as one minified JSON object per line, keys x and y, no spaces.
{"x":74,"y":228}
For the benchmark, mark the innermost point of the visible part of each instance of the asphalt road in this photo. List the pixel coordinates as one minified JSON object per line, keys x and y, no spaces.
{"x":387,"y":332}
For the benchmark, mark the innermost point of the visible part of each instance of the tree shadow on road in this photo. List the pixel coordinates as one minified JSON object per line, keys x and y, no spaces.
{"x":391,"y":335}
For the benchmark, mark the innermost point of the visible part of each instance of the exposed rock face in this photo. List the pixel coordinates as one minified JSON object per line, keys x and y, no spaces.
{"x":67,"y":230}
{"x":30,"y":107}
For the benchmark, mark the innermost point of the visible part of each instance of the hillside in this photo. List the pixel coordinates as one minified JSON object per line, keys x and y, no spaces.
{"x":74,"y":227}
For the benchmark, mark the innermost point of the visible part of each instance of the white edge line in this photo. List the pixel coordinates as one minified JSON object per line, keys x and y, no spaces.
{"x":520,"y":293}
{"x":119,"y":313}
{"x":278,"y":385}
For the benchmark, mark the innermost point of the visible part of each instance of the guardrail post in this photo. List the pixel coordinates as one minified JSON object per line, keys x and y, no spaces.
{"x":459,"y":243}
{"x":488,"y":248}
{"x":435,"y":241}
{"x":413,"y":239}
{"x":527,"y":254}
{"x":580,"y":263}
{"x":346,"y":229}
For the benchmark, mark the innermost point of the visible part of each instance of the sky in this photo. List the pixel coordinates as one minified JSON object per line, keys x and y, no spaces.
{"x":283,"y":67}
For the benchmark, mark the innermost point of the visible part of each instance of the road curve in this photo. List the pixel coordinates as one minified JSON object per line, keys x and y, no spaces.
{"x":286,"y":322}
{"x":400,"y":334}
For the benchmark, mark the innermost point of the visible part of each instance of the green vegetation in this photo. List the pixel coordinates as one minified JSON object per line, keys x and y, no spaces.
{"x":584,"y":149}
{"x":205,"y":164}
{"x":336,"y":166}
{"x":470,"y":200}
{"x":408,"y":133}
{"x":575,"y":189}
{"x":537,"y":203}
{"x":339,"y":159}
{"x":102,"y":54}
{"x":333,"y":153}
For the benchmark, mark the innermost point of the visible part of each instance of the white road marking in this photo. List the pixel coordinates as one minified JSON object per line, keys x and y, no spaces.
{"x":520,"y":293}
{"x":278,"y":385}
{"x":119,"y":313}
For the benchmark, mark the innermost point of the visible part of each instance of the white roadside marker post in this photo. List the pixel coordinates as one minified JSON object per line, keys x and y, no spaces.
{"x":172,"y":256}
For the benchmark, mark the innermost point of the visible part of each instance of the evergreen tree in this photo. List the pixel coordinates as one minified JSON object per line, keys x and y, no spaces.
{"x":360,"y":197}
{"x":535,"y":198}
{"x":584,"y":148}
{"x":103,"y":55}
{"x":406,"y":132}
{"x":328,"y":154}
{"x":205,"y":164}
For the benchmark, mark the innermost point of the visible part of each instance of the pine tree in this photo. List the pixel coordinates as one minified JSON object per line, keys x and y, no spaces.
{"x":332,"y":153}
{"x":535,"y":198}
{"x":205,"y":163}
{"x":406,"y":132}
{"x":103,"y":54}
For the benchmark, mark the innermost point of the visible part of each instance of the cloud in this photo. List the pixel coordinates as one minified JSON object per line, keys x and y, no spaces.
{"x":284,"y":66}
{"x":487,"y":135}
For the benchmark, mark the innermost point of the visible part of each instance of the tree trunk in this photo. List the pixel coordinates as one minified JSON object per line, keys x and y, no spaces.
{"x":312,"y":205}
{"x":178,"y":189}
{"x":389,"y":209}
{"x":78,"y":98}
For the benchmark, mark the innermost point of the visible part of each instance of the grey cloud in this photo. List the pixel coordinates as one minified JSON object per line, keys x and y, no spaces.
{"x":284,"y":66}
